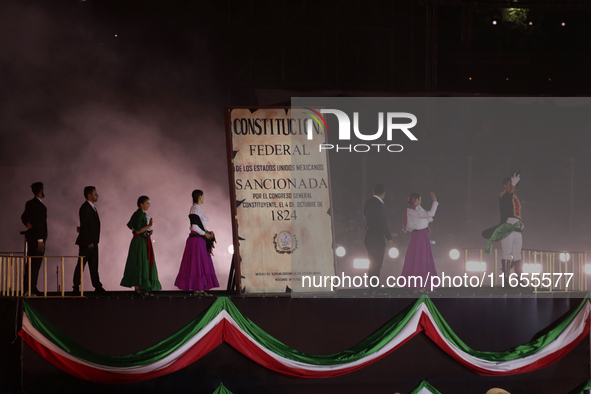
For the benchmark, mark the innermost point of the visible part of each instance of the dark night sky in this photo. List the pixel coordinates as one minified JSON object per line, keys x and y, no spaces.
{"x":129,"y":97}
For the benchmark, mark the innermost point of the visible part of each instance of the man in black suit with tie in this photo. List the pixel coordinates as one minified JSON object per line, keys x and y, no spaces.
{"x":35,"y":218}
{"x":88,"y":239}
{"x":376,"y":230}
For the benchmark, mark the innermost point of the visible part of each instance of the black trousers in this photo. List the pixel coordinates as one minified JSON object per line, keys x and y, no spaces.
{"x":376,"y":247}
{"x":91,"y":257}
{"x":32,"y":250}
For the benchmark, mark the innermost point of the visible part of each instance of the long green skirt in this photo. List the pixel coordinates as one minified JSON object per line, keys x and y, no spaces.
{"x":137,"y":268}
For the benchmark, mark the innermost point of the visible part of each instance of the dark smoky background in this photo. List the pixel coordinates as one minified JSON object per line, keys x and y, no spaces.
{"x":465,"y":147}
{"x":124,"y":97}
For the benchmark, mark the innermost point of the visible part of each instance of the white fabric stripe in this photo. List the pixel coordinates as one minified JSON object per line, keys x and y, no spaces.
{"x":157,"y":365}
{"x":425,"y":390}
{"x":572,"y":331}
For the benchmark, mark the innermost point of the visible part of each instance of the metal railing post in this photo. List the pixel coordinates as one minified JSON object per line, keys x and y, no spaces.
{"x":495,"y":274}
{"x":22,"y":276}
{"x":11,"y":277}
{"x":44,"y":276}
{"x":29,"y":273}
{"x":585,"y":269}
{"x":465,"y":259}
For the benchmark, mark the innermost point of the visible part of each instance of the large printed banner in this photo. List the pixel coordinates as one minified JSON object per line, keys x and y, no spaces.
{"x":283,"y":199}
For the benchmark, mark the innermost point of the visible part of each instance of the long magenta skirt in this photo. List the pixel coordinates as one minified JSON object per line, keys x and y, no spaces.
{"x":419,"y":258}
{"x":197,"y":272}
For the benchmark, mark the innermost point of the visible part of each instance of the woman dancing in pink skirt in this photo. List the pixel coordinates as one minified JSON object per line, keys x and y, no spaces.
{"x":419,"y":256}
{"x":197,"y":272}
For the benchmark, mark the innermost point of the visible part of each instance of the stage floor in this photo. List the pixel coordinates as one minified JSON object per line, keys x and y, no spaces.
{"x":443,"y":292}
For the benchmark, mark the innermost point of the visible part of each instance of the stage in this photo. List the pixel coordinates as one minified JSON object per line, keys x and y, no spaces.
{"x":119,"y":324}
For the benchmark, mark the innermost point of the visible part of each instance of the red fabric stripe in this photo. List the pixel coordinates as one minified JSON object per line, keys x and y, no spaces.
{"x":200,"y":349}
{"x":541,"y":363}
{"x":149,"y":246}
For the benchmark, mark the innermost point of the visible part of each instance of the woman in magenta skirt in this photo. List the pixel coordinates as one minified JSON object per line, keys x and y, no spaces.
{"x":197,"y":273}
{"x":418,"y":260}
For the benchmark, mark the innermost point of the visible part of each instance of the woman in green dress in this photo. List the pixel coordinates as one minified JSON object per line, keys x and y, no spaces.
{"x":140,"y":268}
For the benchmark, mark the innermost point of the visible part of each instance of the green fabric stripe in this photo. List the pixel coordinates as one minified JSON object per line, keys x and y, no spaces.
{"x":146,"y":356}
{"x":426,"y":385}
{"x":222,"y":390}
{"x":510,"y":354}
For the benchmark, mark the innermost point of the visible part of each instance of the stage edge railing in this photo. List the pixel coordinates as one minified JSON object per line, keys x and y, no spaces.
{"x":558,"y":270}
{"x":12,"y":274}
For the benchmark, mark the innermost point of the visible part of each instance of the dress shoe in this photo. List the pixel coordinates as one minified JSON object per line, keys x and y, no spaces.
{"x":143,"y":293}
{"x":201,"y":293}
{"x":100,"y":290}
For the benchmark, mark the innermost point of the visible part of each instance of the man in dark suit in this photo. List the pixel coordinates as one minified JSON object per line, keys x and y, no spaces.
{"x":35,"y":218}
{"x":88,"y":240}
{"x":376,"y":231}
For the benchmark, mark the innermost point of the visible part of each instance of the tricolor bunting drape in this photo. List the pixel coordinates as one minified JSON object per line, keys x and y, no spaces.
{"x":222,"y":390}
{"x":426,"y":388}
{"x":223,"y":322}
